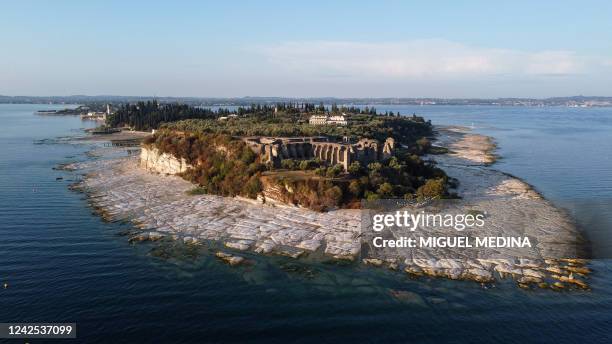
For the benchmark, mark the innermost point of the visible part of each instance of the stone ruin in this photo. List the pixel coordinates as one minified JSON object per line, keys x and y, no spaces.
{"x":274,"y":149}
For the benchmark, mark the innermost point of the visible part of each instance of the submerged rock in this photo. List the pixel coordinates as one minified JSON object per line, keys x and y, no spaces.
{"x":229,"y":258}
{"x":241,"y":245}
{"x":408,"y":297}
{"x":373,"y":261}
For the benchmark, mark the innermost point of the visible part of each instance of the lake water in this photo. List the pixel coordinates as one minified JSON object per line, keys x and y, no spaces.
{"x":63,"y":264}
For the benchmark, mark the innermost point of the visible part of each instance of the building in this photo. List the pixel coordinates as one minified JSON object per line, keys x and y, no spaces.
{"x":337,"y":120}
{"x":94,"y":116}
{"x":97,"y":115}
{"x":318,"y":119}
{"x":328,"y":120}
{"x":273,"y":150}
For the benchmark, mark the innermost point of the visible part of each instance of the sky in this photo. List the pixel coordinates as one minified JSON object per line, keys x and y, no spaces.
{"x":448,"y":49}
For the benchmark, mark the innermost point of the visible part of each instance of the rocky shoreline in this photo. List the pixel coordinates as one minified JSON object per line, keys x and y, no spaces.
{"x":119,"y":189}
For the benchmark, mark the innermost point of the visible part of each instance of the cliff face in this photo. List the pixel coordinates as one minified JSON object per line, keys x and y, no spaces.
{"x":152,"y":160}
{"x":273,"y":193}
{"x":302,"y":192}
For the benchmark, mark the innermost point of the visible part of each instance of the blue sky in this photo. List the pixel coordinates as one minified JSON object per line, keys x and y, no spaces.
{"x":308,"y":48}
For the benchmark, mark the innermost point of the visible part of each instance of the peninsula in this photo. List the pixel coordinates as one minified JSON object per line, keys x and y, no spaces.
{"x":287,"y":179}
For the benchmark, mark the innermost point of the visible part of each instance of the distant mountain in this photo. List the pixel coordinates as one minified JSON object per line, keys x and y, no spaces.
{"x":574,"y":101}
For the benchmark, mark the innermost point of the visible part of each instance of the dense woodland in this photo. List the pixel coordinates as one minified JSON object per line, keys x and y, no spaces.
{"x":405,"y":130}
{"x":226,"y":166}
{"x":400,"y":176}
{"x":151,"y":114}
{"x":405,"y":177}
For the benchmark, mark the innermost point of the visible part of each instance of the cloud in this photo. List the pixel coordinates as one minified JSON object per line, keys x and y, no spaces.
{"x":424,"y":59}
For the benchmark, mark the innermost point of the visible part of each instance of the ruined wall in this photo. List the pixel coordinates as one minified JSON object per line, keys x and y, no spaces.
{"x":152,"y":160}
{"x":274,"y":150}
{"x":334,"y":153}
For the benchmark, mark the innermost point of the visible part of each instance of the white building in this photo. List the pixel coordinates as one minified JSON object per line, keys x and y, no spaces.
{"x":338,"y":120}
{"x":328,"y":120}
{"x":318,"y":119}
{"x":94,"y":116}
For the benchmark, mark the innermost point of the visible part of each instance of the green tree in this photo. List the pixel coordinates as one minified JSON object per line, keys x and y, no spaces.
{"x":334,"y":171}
{"x":355,"y":168}
{"x":432,"y":189}
{"x":355,"y":187}
{"x":375,"y":166}
{"x":385,"y":190}
{"x":371,"y":196}
{"x":288,"y":164}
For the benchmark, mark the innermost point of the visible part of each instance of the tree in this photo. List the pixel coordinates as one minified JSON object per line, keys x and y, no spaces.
{"x":288,"y":164}
{"x":334,"y":171}
{"x":304,"y":165}
{"x":432,"y":189}
{"x":308,"y":164}
{"x":321,"y":171}
{"x":321,"y":107}
{"x":355,"y":187}
{"x":394,"y":163}
{"x":371,"y":196}
{"x":375,"y":166}
{"x":355,"y":168}
{"x":385,"y":190}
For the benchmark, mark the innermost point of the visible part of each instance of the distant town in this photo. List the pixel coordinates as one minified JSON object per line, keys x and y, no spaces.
{"x":574,"y":101}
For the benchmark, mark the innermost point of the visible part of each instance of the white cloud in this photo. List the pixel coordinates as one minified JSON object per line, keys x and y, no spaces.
{"x":424,"y":59}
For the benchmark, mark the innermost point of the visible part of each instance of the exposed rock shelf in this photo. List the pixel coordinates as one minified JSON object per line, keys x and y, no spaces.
{"x":159,"y":204}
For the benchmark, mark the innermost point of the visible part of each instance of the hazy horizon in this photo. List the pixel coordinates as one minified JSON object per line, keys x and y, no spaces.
{"x":294,"y":97}
{"x":317,"y":49}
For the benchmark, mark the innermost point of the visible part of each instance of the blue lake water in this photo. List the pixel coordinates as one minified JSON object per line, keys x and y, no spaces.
{"x":63,"y":264}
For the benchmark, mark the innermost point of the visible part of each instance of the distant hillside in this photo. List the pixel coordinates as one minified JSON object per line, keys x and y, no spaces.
{"x":242,"y":101}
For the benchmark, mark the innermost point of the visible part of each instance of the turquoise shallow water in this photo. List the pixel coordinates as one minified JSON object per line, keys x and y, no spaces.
{"x":64,"y":264}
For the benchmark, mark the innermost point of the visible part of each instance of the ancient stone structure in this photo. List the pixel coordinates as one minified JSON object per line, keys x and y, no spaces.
{"x":274,"y":150}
